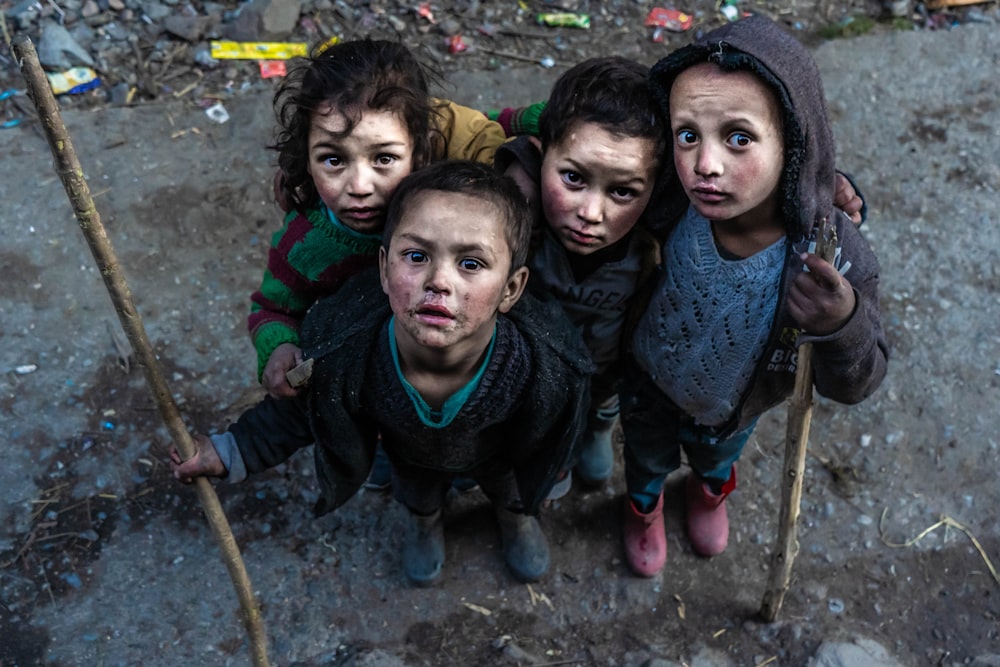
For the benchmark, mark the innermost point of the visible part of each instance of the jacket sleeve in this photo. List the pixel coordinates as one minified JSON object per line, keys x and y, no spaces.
{"x":278,"y":306}
{"x":270,"y":432}
{"x":467,"y":134}
{"x":516,"y":121}
{"x":850,"y":364}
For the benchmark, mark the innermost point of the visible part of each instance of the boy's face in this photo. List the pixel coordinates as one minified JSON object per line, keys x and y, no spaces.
{"x":357,"y":174}
{"x":595,"y":185}
{"x":447,"y":273}
{"x":728,"y":146}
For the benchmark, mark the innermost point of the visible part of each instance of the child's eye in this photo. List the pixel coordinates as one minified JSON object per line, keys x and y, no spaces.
{"x":685,"y":137}
{"x":624,"y":193}
{"x":331,"y":160}
{"x":740,"y":140}
{"x":572,"y":178}
{"x":470,"y":264}
{"x":385,"y":160}
{"x":415,"y":256}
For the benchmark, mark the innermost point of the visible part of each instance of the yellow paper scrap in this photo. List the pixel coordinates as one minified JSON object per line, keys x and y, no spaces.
{"x":257,"y":50}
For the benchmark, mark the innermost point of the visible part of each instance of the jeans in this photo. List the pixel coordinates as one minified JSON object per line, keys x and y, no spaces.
{"x":656,"y":431}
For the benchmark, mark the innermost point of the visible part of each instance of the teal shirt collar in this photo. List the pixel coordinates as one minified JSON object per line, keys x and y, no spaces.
{"x":454,"y":403}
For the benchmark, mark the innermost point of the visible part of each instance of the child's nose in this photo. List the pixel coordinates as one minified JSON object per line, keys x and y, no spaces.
{"x":439,"y":278}
{"x":709,"y":161}
{"x":360,"y":180}
{"x":592,"y":207}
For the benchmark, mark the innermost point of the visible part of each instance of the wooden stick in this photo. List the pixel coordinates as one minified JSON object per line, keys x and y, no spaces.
{"x":93,"y":230}
{"x":796,"y":442}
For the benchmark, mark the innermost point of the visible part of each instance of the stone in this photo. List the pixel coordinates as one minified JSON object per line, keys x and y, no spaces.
{"x":188,"y":28}
{"x":57,"y":50}
{"x":861,"y":652}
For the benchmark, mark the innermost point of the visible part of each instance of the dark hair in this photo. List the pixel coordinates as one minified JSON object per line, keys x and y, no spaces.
{"x":612,"y":92}
{"x":476,"y":180}
{"x":351,"y":77}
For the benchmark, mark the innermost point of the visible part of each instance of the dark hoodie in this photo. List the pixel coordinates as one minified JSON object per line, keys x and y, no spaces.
{"x":851,"y":362}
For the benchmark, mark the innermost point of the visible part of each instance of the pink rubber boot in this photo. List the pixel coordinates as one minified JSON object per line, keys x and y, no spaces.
{"x":707,"y":522}
{"x":645,"y":539}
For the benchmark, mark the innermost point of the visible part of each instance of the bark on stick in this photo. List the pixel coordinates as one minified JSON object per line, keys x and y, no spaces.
{"x":796,"y":443}
{"x":71,"y":174}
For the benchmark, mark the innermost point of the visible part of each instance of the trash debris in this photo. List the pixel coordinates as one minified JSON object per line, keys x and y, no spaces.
{"x":564,"y":20}
{"x":327,"y":44}
{"x":257,"y":50}
{"x":218,"y":113}
{"x":73,"y":81}
{"x":26,"y":369}
{"x":456,"y":45}
{"x":424,"y":12}
{"x":272,"y":68}
{"x":10,"y":122}
{"x":547,"y":62}
{"x":670,"y":19}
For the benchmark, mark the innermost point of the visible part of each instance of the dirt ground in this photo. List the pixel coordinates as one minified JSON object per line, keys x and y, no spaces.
{"x":104,"y":560}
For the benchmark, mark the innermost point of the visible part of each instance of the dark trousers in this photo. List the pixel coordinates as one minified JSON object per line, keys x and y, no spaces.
{"x":656,"y":431}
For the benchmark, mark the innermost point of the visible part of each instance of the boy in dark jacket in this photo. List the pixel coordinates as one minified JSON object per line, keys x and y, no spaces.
{"x":458,"y":370}
{"x":753,"y":159}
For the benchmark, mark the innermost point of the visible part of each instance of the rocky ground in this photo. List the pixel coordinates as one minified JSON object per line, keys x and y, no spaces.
{"x":104,"y":560}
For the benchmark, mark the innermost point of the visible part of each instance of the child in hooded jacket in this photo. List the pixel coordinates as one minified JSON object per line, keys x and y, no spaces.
{"x":593,"y":178}
{"x":752,"y":158}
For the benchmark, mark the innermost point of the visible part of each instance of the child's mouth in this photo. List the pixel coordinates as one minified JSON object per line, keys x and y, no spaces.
{"x":582,"y":237}
{"x":434,"y":314}
{"x":362,"y":213}
{"x":708,"y":195}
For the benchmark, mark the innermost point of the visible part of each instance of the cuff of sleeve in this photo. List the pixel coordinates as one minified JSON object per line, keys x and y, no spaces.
{"x":229,"y":453}
{"x":267,"y":340}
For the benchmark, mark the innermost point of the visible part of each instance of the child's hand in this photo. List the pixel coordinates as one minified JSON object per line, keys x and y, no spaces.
{"x":820,"y":300}
{"x":284,"y":358}
{"x":846,"y":198}
{"x":205,"y":462}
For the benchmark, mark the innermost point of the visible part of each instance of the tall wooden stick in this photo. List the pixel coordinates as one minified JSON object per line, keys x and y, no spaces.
{"x":796,"y":442}
{"x":93,"y":230}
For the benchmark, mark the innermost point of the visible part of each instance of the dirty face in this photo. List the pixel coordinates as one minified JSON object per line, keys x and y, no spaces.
{"x":356,"y":174}
{"x":728,"y":147}
{"x":447,"y":273}
{"x":595,"y":185}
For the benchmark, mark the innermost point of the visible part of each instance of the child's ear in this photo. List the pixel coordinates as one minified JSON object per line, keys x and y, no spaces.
{"x":514,"y":288}
{"x":383,"y":259}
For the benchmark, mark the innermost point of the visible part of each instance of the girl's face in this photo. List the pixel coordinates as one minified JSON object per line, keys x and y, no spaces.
{"x":728,"y":147}
{"x":356,"y":175}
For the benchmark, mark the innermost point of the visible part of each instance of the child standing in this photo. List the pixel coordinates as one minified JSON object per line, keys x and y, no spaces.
{"x":460,"y":373}
{"x":601,"y":139}
{"x":592,"y":178}
{"x":354,"y":120}
{"x":754,"y":160}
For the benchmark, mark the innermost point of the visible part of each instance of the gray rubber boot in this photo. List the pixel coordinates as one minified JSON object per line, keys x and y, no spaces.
{"x":596,"y":457}
{"x":525,"y":549}
{"x":423,"y":550}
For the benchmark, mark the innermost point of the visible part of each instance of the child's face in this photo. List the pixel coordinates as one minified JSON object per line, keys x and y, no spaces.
{"x":447,"y":273}
{"x":595,"y":185}
{"x":728,"y":147}
{"x":357,"y":174}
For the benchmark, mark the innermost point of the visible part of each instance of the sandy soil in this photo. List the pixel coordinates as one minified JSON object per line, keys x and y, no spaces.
{"x":104,"y":560}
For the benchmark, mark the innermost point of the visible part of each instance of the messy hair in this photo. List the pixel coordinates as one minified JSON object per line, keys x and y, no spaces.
{"x":476,"y":180}
{"x":612,"y":92}
{"x":351,"y":78}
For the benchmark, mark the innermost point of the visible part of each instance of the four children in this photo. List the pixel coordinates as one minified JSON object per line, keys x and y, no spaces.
{"x":464,"y":375}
